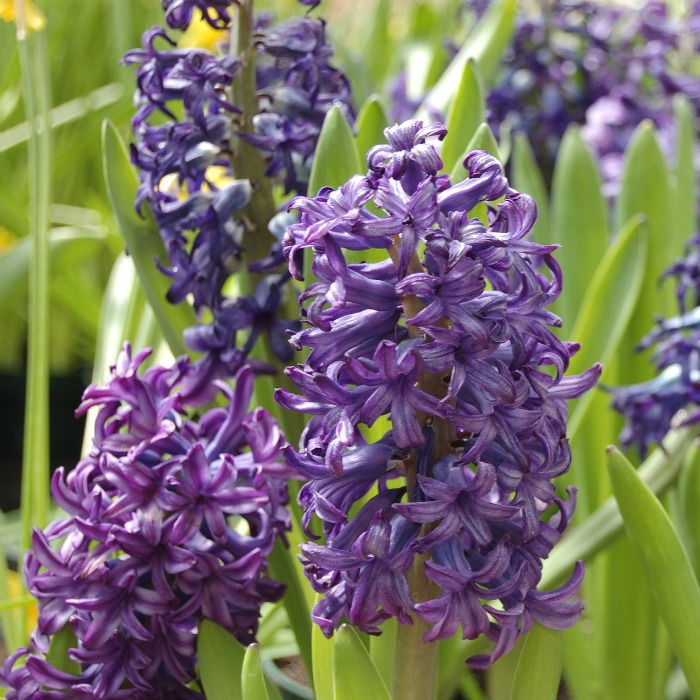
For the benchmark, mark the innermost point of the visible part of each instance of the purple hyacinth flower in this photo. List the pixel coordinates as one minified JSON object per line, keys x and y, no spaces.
{"x":169,"y":521}
{"x":446,"y":336}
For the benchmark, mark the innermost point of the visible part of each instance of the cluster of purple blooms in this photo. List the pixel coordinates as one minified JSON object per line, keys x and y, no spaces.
{"x":649,"y":407}
{"x":600,"y":65}
{"x":186,"y":129}
{"x":169,"y":522}
{"x":444,"y":329}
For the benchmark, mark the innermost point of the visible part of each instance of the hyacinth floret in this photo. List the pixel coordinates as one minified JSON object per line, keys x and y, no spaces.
{"x":169,"y":521}
{"x":187,"y":131}
{"x":429,"y":309}
{"x":650,"y":407}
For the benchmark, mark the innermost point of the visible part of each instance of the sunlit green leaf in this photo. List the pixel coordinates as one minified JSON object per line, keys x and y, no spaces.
{"x":323,"y":651}
{"x":646,"y":190}
{"x":527,"y":177}
{"x":465,"y":115}
{"x":608,"y":303}
{"x":485,"y":45}
{"x":483,"y":140}
{"x":57,"y":655}
{"x":283,"y":568}
{"x":354,"y":674}
{"x":685,"y":176}
{"x":335,"y":159}
{"x":538,"y":672}
{"x":664,"y":561}
{"x":220,"y":658}
{"x":371,"y":122}
{"x":252,"y":677}
{"x":579,"y":220}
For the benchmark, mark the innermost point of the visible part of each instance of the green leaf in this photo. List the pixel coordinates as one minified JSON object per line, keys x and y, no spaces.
{"x":527,"y":177}
{"x":354,"y":673}
{"x":538,"y":672}
{"x":465,"y":115}
{"x":382,"y":649}
{"x":253,"y":678}
{"x":658,"y":471}
{"x":220,"y":658}
{"x":323,"y":650}
{"x":57,"y":655}
{"x":579,"y":220}
{"x":283,"y":568}
{"x":142,"y":240}
{"x":609,"y":301}
{"x":688,"y":494}
{"x":371,"y":122}
{"x":664,"y":561}
{"x":483,"y":140}
{"x":336,"y":159}
{"x":686,"y":177}
{"x":485,"y":45}
{"x":645,"y":189}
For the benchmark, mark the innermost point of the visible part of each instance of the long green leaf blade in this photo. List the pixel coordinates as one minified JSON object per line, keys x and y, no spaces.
{"x":252,"y":677}
{"x":323,"y":650}
{"x":354,"y":673}
{"x":538,"y":672}
{"x":336,"y":159}
{"x":465,"y":115}
{"x":371,"y":122}
{"x":528,"y":178}
{"x":686,"y":177}
{"x":485,"y":45}
{"x":142,"y":240}
{"x":665,"y":562}
{"x":220,"y":659}
{"x":579,"y":220}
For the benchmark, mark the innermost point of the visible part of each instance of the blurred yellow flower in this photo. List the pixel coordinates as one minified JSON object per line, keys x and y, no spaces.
{"x":7,"y":239}
{"x":200,"y":34}
{"x":35,"y":19}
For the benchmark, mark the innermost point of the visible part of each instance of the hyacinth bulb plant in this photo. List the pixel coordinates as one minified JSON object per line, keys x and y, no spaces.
{"x":424,"y":314}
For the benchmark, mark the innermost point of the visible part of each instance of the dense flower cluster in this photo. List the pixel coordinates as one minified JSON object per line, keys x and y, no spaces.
{"x":601,"y":65}
{"x":426,"y":314}
{"x":649,"y":407}
{"x":186,"y":128}
{"x":169,"y":522}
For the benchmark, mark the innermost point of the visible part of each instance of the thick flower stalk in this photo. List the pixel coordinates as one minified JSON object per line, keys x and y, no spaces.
{"x":169,"y":521}
{"x":188,"y":133}
{"x":650,"y":407}
{"x":424,"y":314}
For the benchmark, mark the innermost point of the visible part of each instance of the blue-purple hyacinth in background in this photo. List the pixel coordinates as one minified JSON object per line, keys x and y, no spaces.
{"x":605,"y":66}
{"x":436,"y":319}
{"x":649,"y":407}
{"x":186,"y":130}
{"x":169,"y":521}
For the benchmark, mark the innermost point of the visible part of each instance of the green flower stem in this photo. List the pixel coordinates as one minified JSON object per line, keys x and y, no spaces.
{"x":35,"y":453}
{"x":415,"y":663}
{"x":248,"y":163}
{"x":659,"y":471}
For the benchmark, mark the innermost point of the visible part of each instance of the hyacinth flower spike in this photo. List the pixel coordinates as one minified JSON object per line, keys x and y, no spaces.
{"x":449,"y":337}
{"x":169,"y":521}
{"x":218,"y":122}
